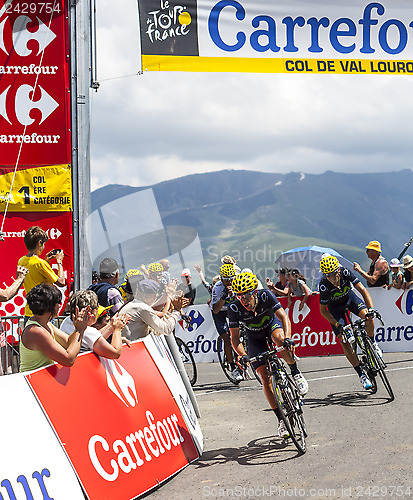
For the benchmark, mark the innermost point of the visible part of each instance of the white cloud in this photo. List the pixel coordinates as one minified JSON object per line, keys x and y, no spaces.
{"x":158,"y":126}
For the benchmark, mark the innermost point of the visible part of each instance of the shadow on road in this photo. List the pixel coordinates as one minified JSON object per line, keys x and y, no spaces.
{"x":346,"y":399}
{"x":261,"y":451}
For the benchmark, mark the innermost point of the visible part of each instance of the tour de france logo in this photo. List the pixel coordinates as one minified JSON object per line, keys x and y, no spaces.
{"x":169,"y":28}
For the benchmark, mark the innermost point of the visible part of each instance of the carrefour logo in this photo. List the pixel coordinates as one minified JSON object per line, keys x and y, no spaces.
{"x":120,"y":382}
{"x":196,"y":321}
{"x":20,"y":36}
{"x":405,"y":302}
{"x":231,"y":29}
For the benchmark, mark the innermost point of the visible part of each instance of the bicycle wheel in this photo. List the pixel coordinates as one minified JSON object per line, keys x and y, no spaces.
{"x":223,"y":361}
{"x":188,"y":360}
{"x":377,"y":365}
{"x":290,"y":411}
{"x":367,"y":365}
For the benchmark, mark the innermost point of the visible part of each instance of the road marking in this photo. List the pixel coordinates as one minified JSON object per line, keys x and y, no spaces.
{"x":238,"y":388}
{"x":355,"y":374}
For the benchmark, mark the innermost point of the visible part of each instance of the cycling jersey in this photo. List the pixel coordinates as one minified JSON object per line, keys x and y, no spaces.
{"x":259,"y":322}
{"x":342,"y":298}
{"x":335,"y":295}
{"x":216,"y":295}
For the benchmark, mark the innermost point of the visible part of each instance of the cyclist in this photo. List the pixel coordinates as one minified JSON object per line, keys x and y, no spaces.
{"x":336,"y":298}
{"x":264,"y":319}
{"x":222,"y":295}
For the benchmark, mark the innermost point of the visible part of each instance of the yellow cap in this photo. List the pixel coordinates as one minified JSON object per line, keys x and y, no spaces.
{"x":374,"y":245}
{"x":102,"y":310}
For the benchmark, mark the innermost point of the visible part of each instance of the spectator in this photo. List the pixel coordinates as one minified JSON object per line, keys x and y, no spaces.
{"x":41,"y":342}
{"x":297,"y":287}
{"x":408,"y":271}
{"x":105,"y":289}
{"x":186,"y":287}
{"x":378,"y":273}
{"x":10,"y":291}
{"x":7,"y":352}
{"x":227,"y":259}
{"x":206,"y":284}
{"x":38,"y":269}
{"x":102,"y":317}
{"x":144,"y":318}
{"x":166,"y":275}
{"x":280,"y":289}
{"x":94,"y":339}
{"x":125,"y":288}
{"x":396,"y":275}
{"x":155,"y":270}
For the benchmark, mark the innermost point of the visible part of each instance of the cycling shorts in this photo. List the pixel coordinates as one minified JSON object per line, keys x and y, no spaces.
{"x":354,"y":304}
{"x":220,"y":320}
{"x":259,"y":343}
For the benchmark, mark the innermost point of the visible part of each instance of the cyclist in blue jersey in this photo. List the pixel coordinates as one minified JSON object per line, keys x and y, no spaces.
{"x":264,"y":319}
{"x":336,"y":298}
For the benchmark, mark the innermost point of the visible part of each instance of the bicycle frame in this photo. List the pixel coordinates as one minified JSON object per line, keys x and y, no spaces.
{"x":287,"y":396}
{"x":373,"y":364}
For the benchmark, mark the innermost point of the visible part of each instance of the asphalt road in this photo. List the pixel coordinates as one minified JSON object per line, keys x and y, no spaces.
{"x":359,"y":445}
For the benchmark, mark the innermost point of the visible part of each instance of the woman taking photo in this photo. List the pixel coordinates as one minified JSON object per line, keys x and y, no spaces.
{"x":41,"y":342}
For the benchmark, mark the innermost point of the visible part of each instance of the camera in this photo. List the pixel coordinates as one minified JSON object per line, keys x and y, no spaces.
{"x":56,"y":250}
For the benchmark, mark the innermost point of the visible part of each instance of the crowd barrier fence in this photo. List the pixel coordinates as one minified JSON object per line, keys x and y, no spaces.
{"x":101,"y":429}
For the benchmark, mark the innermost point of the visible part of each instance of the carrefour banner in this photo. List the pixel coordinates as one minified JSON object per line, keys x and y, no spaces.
{"x":277,"y":36}
{"x":34,"y":83}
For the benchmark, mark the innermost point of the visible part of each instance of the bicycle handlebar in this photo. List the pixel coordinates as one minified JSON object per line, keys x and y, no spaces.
{"x":263,"y":356}
{"x":375,"y":314}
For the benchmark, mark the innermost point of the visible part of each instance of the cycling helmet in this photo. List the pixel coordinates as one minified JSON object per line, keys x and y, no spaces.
{"x":133,"y":272}
{"x":329,"y":264}
{"x":155,"y":267}
{"x":227,"y":271}
{"x":244,"y":282}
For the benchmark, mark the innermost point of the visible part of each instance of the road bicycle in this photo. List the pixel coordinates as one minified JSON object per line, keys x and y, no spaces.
{"x":372,"y":363}
{"x":248,"y":373}
{"x":289,"y":401}
{"x":186,"y":355}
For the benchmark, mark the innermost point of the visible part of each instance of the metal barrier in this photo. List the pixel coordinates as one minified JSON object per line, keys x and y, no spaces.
{"x":11,"y":328}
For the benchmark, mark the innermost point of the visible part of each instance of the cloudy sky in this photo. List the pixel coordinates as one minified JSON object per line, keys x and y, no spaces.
{"x":162,"y":125}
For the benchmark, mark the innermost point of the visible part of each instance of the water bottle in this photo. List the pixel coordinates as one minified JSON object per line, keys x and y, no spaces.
{"x":349,"y":334}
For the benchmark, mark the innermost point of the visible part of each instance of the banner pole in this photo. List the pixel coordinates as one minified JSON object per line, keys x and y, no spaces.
{"x":80,"y":104}
{"x":170,"y":340}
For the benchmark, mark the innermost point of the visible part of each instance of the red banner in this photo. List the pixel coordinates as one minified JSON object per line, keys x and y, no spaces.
{"x":58,"y":226}
{"x":312,"y":333}
{"x":123,"y":431}
{"x":35,"y":133}
{"x":34,"y":83}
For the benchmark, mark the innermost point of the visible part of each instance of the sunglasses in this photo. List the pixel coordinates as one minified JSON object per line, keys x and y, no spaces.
{"x":333,"y":273}
{"x":244,"y":296}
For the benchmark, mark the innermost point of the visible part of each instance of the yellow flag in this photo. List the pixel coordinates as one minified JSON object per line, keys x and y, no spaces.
{"x":40,"y":189}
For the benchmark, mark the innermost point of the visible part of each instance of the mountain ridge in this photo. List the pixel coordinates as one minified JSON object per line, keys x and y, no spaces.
{"x":232,"y":210}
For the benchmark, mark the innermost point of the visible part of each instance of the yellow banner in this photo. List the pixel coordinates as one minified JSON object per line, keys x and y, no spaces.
{"x":272,"y":65}
{"x":40,"y":189}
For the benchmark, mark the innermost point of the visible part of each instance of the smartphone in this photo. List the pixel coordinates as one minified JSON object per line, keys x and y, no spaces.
{"x":56,"y":250}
